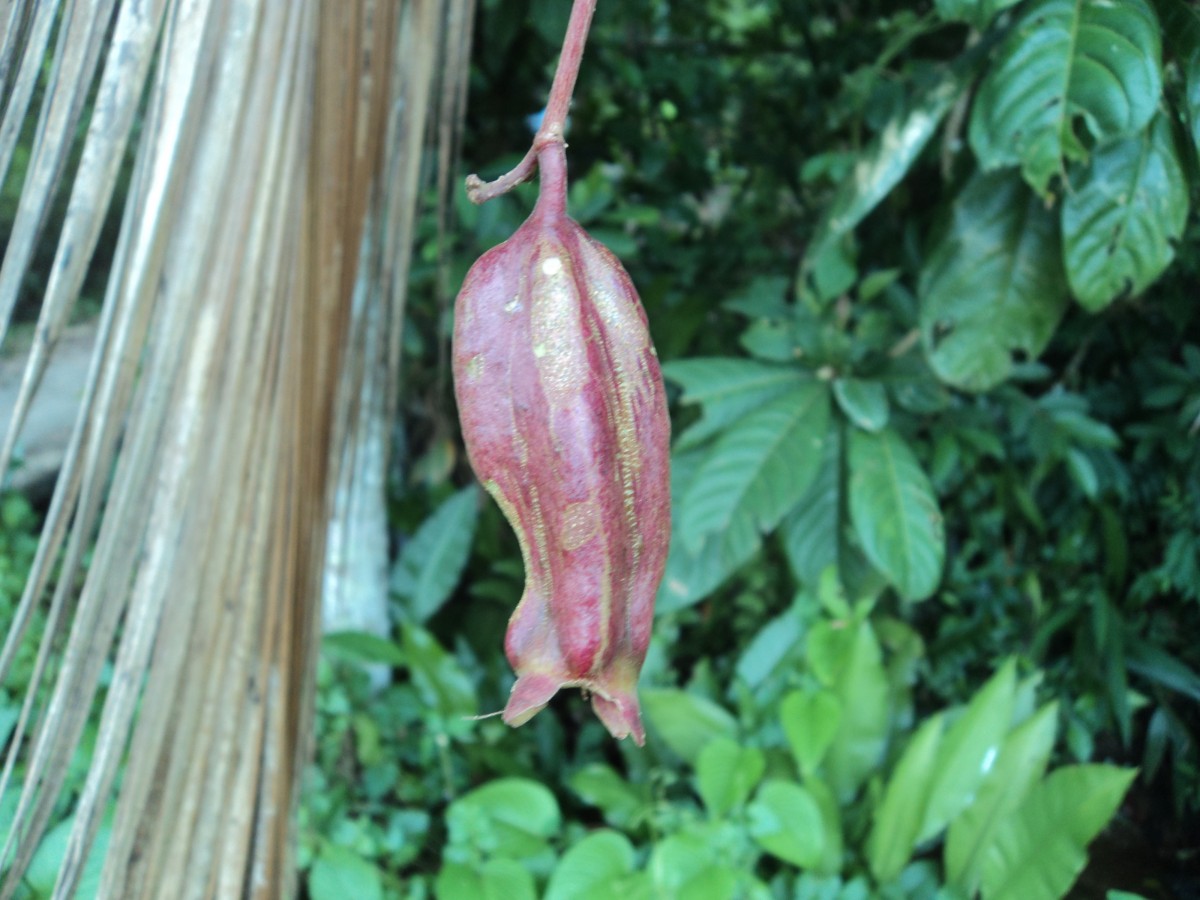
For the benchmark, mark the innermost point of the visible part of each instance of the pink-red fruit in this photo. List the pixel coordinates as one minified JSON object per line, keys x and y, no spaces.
{"x":565,"y":421}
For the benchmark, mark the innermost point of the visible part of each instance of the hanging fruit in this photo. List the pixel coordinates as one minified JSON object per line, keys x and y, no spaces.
{"x":565,"y":421}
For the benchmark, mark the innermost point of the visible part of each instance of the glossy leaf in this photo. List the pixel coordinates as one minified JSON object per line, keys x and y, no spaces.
{"x":1039,"y":849}
{"x":432,"y":561}
{"x":1066,"y":62}
{"x":684,"y":721}
{"x":725,"y":389}
{"x":895,"y":513}
{"x":993,"y":287}
{"x":1193,"y":97}
{"x":1122,"y":217}
{"x":771,"y":649}
{"x":599,"y":785}
{"x":596,"y":868}
{"x":685,"y":865}
{"x":881,"y":166}
{"x":969,"y":750}
{"x":810,"y":720}
{"x":861,"y":687}
{"x":977,"y":13}
{"x":440,"y":681}
{"x":864,"y":402}
{"x":812,"y":530}
{"x":339,"y":872}
{"x":508,"y":817}
{"x":759,"y":469}
{"x":726,"y":774}
{"x":1021,"y":762}
{"x":786,"y":822}
{"x":496,"y":879}
{"x":897,"y":820}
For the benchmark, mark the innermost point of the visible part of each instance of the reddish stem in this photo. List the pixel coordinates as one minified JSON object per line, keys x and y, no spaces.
{"x":554,"y":121}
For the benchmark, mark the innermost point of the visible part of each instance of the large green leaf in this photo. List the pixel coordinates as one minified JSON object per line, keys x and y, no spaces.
{"x":727,"y":773}
{"x":692,"y":574}
{"x":1193,"y":97}
{"x":969,"y":750}
{"x":897,"y":819}
{"x":974,"y":12}
{"x":432,"y":561}
{"x":1122,"y":217}
{"x":895,"y":513}
{"x":1040,"y":848}
{"x":861,"y":686}
{"x":1021,"y":762}
{"x":725,"y":389}
{"x":880,"y":167}
{"x":495,"y":879}
{"x":758,"y":470}
{"x":685,"y":722}
{"x":786,"y":821}
{"x":508,"y":817}
{"x":810,"y":720}
{"x":599,"y":867}
{"x":1066,"y":61}
{"x":811,"y":531}
{"x":339,"y":872}
{"x":994,"y":285}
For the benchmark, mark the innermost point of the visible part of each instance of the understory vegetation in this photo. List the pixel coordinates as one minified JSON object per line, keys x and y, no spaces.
{"x":923,"y":282}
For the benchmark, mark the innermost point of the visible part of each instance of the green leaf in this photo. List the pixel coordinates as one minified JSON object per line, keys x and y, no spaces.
{"x":993,"y":286}
{"x":831,"y":861}
{"x":1193,"y":96}
{"x":1121,"y":219}
{"x":1067,"y":61}
{"x":726,"y":389}
{"x":432,"y":561}
{"x":596,"y":868}
{"x":339,"y":872}
{"x":362,"y":646}
{"x":691,"y":575}
{"x":1039,"y":849}
{"x":895,"y":513}
{"x":810,"y":720}
{"x":880,"y":167}
{"x":897,"y":820}
{"x":759,"y":469}
{"x":682,"y":865}
{"x":496,"y":879}
{"x":812,"y":530}
{"x":685,"y":722}
{"x":773,"y":647}
{"x":861,"y":686}
{"x":977,"y":13}
{"x":599,"y":785}
{"x":1021,"y":762}
{"x":969,"y":750}
{"x":865,"y":403}
{"x":726,"y":774}
{"x":440,"y":681}
{"x":48,"y":859}
{"x":786,"y":822}
{"x":508,"y":817}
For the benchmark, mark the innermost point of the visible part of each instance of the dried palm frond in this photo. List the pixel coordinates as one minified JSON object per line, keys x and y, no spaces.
{"x":235,"y":381}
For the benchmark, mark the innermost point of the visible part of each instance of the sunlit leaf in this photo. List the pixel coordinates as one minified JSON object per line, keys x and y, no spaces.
{"x":786,"y":821}
{"x":895,"y":513}
{"x":993,"y":289}
{"x":433,"y":559}
{"x":1039,"y":849}
{"x":1066,"y":62}
{"x":759,"y":469}
{"x":1122,"y":217}
{"x":897,"y":820}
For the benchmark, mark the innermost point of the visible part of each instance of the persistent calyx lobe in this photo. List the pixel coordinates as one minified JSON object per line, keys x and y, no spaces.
{"x":565,"y":421}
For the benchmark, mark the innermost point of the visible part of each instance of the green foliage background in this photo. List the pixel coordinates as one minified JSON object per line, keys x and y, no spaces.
{"x":923,"y":282}
{"x":923,"y":279}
